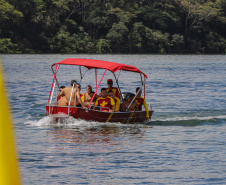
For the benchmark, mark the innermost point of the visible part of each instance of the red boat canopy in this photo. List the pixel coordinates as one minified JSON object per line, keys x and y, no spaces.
{"x":99,"y":64}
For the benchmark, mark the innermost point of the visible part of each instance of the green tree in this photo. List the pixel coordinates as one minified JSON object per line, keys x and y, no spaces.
{"x":156,"y":41}
{"x":177,"y":44}
{"x":9,"y":22}
{"x":215,"y":43}
{"x":103,"y":46}
{"x":117,"y":26}
{"x":137,"y":37}
{"x":118,"y":37}
{"x":197,"y":13}
{"x":6,"y":46}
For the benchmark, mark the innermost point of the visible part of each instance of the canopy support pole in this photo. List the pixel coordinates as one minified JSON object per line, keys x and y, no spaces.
{"x":71,"y":97}
{"x":118,"y":86}
{"x":135,"y":96}
{"x":96,"y":76}
{"x":119,"y":74}
{"x":142,"y":84}
{"x":121,"y":98}
{"x":144,"y":87}
{"x":51,"y":97}
{"x":83,"y":75}
{"x":97,"y":87}
{"x":54,"y":77}
{"x":80,"y":69}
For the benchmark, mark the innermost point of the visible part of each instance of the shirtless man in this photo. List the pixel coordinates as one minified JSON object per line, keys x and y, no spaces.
{"x":61,"y":102}
{"x":62,"y":87}
{"x":87,"y":96}
{"x":66,"y":92}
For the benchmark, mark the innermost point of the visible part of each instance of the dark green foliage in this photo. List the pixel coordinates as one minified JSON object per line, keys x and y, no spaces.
{"x":122,"y":26}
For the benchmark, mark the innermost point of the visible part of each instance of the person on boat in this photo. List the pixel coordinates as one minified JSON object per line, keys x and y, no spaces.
{"x":62,"y":101}
{"x":131,"y":104}
{"x":87,"y":96}
{"x":62,"y":87}
{"x":58,"y":102}
{"x":117,"y":101}
{"x":141,"y":101}
{"x":105,"y":101}
{"x":95,"y":98}
{"x":114,"y":89}
{"x":67,"y":93}
{"x":79,"y":89}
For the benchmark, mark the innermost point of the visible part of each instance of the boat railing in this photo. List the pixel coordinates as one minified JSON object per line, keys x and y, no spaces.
{"x":71,"y":97}
{"x":100,"y":108}
{"x":92,"y":106}
{"x":150,"y":107}
{"x":55,"y":102}
{"x":96,"y":107}
{"x":50,"y":102}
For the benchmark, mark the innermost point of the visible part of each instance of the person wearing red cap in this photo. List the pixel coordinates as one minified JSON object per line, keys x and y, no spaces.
{"x":111,"y":88}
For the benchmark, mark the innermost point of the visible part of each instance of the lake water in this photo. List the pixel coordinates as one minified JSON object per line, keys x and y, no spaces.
{"x":184,"y":143}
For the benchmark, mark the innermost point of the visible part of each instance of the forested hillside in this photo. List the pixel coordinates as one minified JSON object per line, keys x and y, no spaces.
{"x":113,"y":26}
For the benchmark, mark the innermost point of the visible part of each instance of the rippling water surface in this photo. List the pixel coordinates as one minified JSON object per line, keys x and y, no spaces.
{"x":184,"y":143}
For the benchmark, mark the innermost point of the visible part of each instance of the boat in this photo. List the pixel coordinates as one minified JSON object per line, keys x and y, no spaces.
{"x":89,"y":114}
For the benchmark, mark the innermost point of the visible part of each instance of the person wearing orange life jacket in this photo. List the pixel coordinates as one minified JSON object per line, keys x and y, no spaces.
{"x":105,"y":101}
{"x":117,"y":101}
{"x":114,"y":89}
{"x":141,"y":101}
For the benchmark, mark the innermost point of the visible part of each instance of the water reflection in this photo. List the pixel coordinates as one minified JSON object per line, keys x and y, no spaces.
{"x":103,"y":138}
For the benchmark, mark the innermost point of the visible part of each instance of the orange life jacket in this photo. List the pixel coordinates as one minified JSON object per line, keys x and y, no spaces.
{"x":140,"y":101}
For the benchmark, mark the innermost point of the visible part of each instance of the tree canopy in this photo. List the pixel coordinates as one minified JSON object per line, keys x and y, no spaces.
{"x":116,"y":26}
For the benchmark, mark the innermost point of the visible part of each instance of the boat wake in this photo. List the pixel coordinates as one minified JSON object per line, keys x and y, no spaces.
{"x":68,"y":122}
{"x":189,"y":120}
